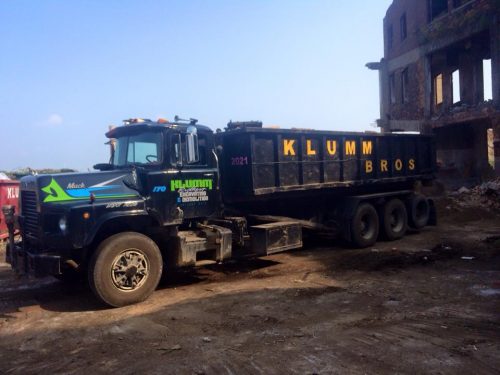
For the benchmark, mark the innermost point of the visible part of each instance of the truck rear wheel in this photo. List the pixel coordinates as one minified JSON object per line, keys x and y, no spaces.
{"x":393,"y":219}
{"x":418,"y":211}
{"x":125,"y":269}
{"x":364,"y":226}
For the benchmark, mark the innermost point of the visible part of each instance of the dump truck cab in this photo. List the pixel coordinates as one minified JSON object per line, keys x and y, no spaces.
{"x":172,"y":166}
{"x":161,"y":176}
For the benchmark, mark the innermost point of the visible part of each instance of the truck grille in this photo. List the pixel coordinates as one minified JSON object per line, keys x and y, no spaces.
{"x":29,"y":213}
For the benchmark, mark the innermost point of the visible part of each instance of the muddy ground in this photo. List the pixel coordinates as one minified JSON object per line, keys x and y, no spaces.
{"x":429,"y":303}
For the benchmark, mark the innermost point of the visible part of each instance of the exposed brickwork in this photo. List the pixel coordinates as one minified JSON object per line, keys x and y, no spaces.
{"x":413,"y":107}
{"x":496,"y":143}
{"x":463,"y":21}
{"x":459,"y":38}
{"x":416,"y":17}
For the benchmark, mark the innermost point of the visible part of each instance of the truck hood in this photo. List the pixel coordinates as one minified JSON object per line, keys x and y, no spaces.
{"x":69,"y":187}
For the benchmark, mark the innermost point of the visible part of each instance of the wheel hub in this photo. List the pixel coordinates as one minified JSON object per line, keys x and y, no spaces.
{"x":366,"y":227}
{"x":129,"y":270}
{"x":395,"y":221}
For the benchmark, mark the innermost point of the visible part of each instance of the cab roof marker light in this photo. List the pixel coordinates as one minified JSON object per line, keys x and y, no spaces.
{"x":132,"y":121}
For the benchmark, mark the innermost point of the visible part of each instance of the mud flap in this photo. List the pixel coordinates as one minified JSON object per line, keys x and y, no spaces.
{"x":432,"y":213}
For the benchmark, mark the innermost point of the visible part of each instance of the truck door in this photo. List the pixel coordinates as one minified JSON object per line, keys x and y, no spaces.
{"x":189,"y":186}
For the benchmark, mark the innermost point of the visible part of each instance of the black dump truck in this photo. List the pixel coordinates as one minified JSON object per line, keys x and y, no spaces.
{"x":176,"y":193}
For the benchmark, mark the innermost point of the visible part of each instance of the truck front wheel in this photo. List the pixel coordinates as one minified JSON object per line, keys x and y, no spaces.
{"x":364,"y":226}
{"x":125,"y":269}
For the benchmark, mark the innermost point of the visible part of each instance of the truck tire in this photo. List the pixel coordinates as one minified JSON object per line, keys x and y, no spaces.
{"x":393,"y":220}
{"x":125,"y":269}
{"x":418,"y":211}
{"x":364,"y":226}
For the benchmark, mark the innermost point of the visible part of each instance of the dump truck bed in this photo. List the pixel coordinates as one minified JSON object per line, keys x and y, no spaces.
{"x":260,"y":161}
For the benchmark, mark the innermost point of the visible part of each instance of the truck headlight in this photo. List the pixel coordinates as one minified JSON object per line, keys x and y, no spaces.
{"x":63,"y":225}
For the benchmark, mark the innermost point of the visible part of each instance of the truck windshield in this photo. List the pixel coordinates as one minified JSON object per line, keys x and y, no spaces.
{"x":144,"y":148}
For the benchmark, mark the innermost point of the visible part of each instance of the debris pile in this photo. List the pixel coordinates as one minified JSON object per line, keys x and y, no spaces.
{"x":486,"y":195}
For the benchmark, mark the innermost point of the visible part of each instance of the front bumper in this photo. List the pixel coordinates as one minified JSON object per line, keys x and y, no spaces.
{"x":38,"y":265}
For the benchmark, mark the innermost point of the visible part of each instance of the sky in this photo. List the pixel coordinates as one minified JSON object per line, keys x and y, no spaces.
{"x":69,"y":69}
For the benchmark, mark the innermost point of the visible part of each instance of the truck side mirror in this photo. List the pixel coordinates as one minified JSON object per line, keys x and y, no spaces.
{"x":103,"y":167}
{"x":192,"y":154}
{"x":132,"y":181}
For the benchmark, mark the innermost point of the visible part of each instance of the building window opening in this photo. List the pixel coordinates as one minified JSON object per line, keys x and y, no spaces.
{"x":402,"y":26}
{"x":491,"y":150}
{"x":390,"y":37}
{"x":488,"y":89}
{"x":437,"y":8}
{"x":392,"y":88}
{"x":438,"y":89}
{"x":404,"y":86}
{"x":455,"y":81}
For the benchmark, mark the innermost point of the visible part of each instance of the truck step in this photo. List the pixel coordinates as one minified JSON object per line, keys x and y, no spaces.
{"x":208,"y":242}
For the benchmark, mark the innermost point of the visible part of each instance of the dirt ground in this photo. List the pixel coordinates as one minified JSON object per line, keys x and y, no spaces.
{"x":429,"y":303}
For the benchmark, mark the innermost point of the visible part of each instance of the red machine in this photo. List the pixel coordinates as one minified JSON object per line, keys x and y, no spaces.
{"x":9,"y":194}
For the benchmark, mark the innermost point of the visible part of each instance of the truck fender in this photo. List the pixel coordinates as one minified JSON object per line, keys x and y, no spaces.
{"x":131,"y":217}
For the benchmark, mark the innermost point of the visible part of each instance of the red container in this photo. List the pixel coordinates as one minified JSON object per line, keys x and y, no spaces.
{"x":9,"y":194}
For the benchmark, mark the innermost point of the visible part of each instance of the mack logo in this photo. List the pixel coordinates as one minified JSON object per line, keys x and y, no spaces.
{"x":187,"y":184}
{"x":73,"y":185}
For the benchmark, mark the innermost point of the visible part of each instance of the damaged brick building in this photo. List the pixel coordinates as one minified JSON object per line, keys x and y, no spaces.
{"x":441,"y":74}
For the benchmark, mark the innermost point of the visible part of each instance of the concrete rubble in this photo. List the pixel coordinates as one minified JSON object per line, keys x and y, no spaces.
{"x":485,"y":195}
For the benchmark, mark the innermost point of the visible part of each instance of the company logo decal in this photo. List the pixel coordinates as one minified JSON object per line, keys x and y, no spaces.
{"x":191,"y":190}
{"x":78,"y":191}
{"x":187,"y":184}
{"x":351,"y":148}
